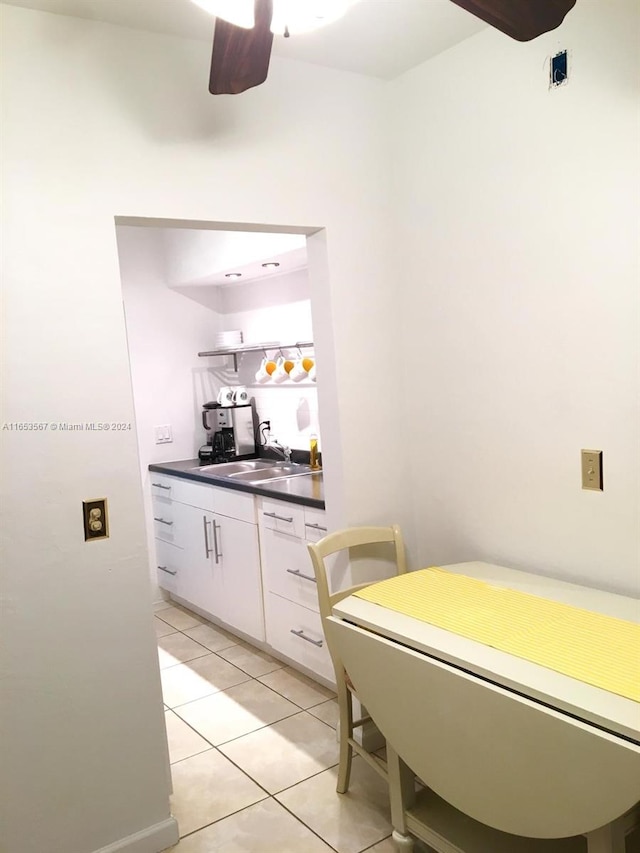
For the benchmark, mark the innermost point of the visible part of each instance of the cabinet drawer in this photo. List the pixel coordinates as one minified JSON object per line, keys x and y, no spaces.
{"x":167,"y":565}
{"x":165,"y":521}
{"x":308,"y":646}
{"x":287,"y":568}
{"x":193,"y":494}
{"x":240,"y":505}
{"x":161,"y":485}
{"x":283,"y":517}
{"x":315,"y":524}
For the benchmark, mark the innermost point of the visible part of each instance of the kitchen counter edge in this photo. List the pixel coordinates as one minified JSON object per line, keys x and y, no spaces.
{"x":184,"y":470}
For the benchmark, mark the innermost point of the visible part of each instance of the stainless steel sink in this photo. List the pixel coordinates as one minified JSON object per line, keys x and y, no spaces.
{"x":278,"y":471}
{"x":226,"y":469}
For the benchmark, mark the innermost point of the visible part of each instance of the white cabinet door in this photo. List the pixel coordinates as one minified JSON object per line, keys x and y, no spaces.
{"x":196,"y":576}
{"x":236,"y":572}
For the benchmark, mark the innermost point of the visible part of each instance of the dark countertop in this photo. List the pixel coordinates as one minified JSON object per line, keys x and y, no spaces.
{"x":307,"y":490}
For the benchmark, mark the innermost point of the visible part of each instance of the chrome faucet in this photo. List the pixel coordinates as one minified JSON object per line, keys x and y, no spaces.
{"x":286,"y":451}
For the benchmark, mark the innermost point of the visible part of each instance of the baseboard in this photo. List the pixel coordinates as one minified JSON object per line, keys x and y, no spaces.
{"x":153,"y":839}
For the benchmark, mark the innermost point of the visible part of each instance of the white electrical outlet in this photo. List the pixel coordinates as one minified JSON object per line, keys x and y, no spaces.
{"x":163,"y":434}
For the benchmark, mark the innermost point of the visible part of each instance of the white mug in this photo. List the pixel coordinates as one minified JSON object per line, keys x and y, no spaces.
{"x":301,"y":369}
{"x":265,"y":371}
{"x":281,"y":373}
{"x":240,"y":396}
{"x":225,"y":396}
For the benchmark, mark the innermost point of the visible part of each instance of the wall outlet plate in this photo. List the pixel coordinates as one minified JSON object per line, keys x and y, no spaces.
{"x":559,"y":69}
{"x":592,"y":470}
{"x":96,"y":519}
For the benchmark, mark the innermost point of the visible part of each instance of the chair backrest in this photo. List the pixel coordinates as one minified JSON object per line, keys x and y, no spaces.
{"x":341,"y":540}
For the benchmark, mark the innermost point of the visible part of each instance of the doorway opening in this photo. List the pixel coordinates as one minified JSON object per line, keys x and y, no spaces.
{"x":191,"y":288}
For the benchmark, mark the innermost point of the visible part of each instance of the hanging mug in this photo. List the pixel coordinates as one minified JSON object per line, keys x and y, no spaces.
{"x":283,"y":369}
{"x":301,"y":369}
{"x":265,"y":371}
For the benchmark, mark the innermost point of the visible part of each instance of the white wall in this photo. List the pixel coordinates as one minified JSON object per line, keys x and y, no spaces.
{"x":276,"y":309}
{"x":517,"y":221}
{"x":165,"y":332}
{"x":98,"y":122}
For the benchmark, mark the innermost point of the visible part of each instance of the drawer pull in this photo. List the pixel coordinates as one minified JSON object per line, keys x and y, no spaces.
{"x":162,"y":521}
{"x":217,"y":555}
{"x":299,"y":574}
{"x":160,"y":486}
{"x":303,"y":636}
{"x":168,"y":571}
{"x":315,"y":526}
{"x":279,"y":517}
{"x":207,"y":549}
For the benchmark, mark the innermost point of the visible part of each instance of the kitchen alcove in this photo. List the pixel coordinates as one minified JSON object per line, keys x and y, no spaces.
{"x":177,"y":300}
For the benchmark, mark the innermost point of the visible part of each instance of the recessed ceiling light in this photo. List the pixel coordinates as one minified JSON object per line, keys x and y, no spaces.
{"x":271,"y":265}
{"x":233,"y":275}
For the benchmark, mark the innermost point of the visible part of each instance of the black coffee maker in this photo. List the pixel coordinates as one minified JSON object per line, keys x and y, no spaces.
{"x":230,"y":433}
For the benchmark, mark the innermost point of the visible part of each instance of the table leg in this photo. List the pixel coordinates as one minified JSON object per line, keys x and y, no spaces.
{"x":402,"y":795}
{"x":607,"y":839}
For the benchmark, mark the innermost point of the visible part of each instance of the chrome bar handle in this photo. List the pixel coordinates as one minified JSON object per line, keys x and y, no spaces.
{"x":299,"y":574}
{"x":160,"y":486}
{"x":303,"y":636}
{"x":279,"y":517}
{"x":215,"y":541}
{"x":315,"y":526}
{"x":168,"y":571}
{"x":162,"y":521}
{"x":207,"y":550}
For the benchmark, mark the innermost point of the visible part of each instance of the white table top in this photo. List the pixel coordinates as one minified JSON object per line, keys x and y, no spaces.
{"x":616,"y":714}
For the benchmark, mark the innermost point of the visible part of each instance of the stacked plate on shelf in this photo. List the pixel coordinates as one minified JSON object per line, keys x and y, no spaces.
{"x":227,"y":340}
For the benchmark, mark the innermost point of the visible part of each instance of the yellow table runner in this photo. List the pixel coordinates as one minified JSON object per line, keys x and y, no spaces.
{"x":597,"y":649}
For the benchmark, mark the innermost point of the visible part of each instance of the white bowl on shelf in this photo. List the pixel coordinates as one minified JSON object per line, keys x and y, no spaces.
{"x":225,"y":340}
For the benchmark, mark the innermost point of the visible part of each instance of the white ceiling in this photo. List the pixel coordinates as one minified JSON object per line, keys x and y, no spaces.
{"x":198,"y":258}
{"x":381,"y":38}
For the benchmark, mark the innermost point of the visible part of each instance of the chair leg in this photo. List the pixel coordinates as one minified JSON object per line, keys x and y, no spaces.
{"x":402,"y":843}
{"x":346,"y":732}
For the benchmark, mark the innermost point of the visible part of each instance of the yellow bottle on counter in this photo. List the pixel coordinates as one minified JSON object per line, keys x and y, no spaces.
{"x":313,"y":452}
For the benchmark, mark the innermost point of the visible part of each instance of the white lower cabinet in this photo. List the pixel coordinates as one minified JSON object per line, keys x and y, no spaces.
{"x":293,"y":623}
{"x":209,"y":554}
{"x":216,"y":566}
{"x":296,"y":632}
{"x":168,"y":563}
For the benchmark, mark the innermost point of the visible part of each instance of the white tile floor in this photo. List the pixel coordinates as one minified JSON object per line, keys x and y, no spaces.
{"x":254,"y":753}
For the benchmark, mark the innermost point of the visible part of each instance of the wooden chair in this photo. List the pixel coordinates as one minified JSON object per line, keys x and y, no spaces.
{"x":331,"y":544}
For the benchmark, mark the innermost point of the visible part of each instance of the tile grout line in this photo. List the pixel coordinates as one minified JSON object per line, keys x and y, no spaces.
{"x":248,"y":775}
{"x":215,"y":747}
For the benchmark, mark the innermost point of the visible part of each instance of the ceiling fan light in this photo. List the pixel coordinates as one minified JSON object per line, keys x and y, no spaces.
{"x":238,"y":12}
{"x":303,"y":16}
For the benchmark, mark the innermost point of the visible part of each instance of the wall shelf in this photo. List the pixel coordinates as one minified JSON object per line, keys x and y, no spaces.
{"x":242,"y":348}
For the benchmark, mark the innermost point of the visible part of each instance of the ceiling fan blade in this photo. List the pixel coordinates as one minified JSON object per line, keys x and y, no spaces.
{"x":240,"y":58}
{"x":521,"y":19}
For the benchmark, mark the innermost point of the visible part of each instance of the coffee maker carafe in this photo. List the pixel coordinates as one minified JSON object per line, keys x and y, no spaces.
{"x":230,"y":433}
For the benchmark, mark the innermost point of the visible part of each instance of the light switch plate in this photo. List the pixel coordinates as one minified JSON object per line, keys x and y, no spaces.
{"x":163,"y":434}
{"x":592,"y":470}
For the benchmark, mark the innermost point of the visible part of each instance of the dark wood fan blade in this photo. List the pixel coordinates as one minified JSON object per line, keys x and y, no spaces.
{"x":521,"y":19}
{"x":240,"y":58}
